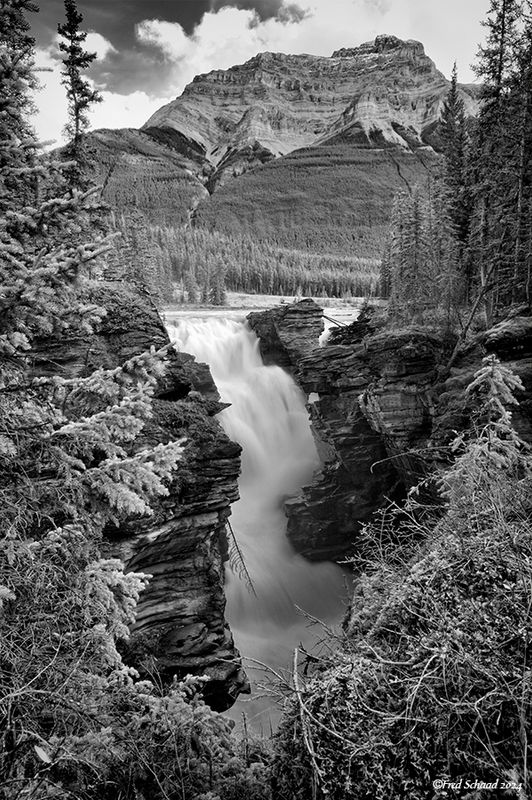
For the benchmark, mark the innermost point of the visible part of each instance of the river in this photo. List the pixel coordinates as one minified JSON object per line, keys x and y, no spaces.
{"x":271,"y":611}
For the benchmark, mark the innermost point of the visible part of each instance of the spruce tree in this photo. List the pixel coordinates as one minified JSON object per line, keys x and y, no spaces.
{"x":80,"y":94}
{"x":493,"y":186}
{"x":455,"y":139}
{"x":520,"y":103}
{"x":69,"y":463}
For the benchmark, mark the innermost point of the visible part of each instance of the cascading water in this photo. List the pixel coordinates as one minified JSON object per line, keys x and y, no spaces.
{"x":268,"y":418}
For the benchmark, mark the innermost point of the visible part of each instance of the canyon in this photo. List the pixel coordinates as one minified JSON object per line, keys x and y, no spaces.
{"x":384,"y":411}
{"x":305,"y":153}
{"x":180,"y":625}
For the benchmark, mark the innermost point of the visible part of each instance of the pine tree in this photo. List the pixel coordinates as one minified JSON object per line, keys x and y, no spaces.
{"x":385,"y":277}
{"x":493,"y":146}
{"x":218,"y":296}
{"x":69,"y":462}
{"x":80,"y":94}
{"x":14,"y":25}
{"x":455,"y":143}
{"x":520,"y":101}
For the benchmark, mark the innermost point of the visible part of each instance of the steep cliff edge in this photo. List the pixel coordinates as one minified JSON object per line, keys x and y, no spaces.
{"x":387,"y":417}
{"x":180,"y":622}
{"x":288,"y":332}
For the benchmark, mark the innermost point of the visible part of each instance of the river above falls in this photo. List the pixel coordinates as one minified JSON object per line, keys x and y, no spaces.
{"x":271,"y":612}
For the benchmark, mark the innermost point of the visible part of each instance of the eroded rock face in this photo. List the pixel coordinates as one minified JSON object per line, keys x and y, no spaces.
{"x":180,"y":621}
{"x":372,"y":408}
{"x":388,"y":417}
{"x":287,"y":332}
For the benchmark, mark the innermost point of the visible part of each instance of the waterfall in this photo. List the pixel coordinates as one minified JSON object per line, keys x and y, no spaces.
{"x":267,"y":416}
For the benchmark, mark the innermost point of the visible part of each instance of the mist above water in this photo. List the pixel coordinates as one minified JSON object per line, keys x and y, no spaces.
{"x":268,"y":418}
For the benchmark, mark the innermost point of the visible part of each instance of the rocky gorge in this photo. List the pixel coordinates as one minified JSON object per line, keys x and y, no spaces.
{"x":384,"y":410}
{"x":180,"y":625}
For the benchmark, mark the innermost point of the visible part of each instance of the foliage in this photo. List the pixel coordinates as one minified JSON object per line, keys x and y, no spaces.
{"x":80,"y":95}
{"x":75,"y":720}
{"x":433,"y":678}
{"x":501,"y":158}
{"x":331,"y":200}
{"x":454,"y":179}
{"x":484,"y":194}
{"x":193,"y":265}
{"x":78,"y":722}
{"x":420,"y":268}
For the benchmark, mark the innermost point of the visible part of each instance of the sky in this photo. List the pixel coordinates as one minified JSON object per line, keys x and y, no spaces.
{"x":148,"y":50}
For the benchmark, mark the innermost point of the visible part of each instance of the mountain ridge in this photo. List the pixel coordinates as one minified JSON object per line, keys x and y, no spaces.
{"x":288,"y":102}
{"x":299,"y":150}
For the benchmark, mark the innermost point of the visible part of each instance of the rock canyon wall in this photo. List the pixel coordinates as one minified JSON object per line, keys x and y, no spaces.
{"x":383,"y":409}
{"x":180,"y":626}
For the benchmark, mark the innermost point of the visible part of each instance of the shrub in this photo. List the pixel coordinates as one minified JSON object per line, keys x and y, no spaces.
{"x":433,"y":679}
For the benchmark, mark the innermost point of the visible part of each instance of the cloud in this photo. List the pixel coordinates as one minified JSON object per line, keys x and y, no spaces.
{"x":291,"y":13}
{"x":96,"y":43}
{"x":124,"y":110}
{"x":235,"y":30}
{"x":264,"y":9}
{"x":169,"y":37}
{"x":139,"y":79}
{"x":115,"y":111}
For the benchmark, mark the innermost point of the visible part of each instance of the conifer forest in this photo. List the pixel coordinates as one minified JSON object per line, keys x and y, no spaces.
{"x":240,"y":558}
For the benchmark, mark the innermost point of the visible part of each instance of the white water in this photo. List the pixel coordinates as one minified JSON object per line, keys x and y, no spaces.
{"x":268,"y":418}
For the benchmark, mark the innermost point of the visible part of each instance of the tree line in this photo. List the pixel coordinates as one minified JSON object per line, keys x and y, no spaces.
{"x":469,"y":235}
{"x":194,"y":265}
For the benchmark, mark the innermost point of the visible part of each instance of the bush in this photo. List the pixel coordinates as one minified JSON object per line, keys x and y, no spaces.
{"x":433,"y":680}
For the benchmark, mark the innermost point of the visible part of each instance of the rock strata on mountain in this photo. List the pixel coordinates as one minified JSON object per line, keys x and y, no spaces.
{"x":180,"y":621}
{"x":382,"y":92}
{"x":380,"y":404}
{"x":304,"y":151}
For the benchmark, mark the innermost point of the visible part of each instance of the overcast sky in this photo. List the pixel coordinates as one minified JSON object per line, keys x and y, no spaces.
{"x":148,"y":50}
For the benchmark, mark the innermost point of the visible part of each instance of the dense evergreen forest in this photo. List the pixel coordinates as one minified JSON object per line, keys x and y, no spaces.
{"x":431,"y":676}
{"x":466,"y":243}
{"x":193,"y":265}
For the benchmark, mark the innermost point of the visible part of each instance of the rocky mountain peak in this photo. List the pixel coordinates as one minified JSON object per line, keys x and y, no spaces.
{"x":387,"y":92}
{"x":385,"y":43}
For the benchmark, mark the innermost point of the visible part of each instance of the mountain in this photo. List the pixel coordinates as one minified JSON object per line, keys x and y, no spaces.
{"x":303,"y":151}
{"x":386,"y":92}
{"x":143,"y":170}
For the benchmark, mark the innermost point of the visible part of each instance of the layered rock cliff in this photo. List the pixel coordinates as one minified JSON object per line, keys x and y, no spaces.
{"x":383,"y":404}
{"x":387,"y":92}
{"x":180,"y":625}
{"x":288,"y":332}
